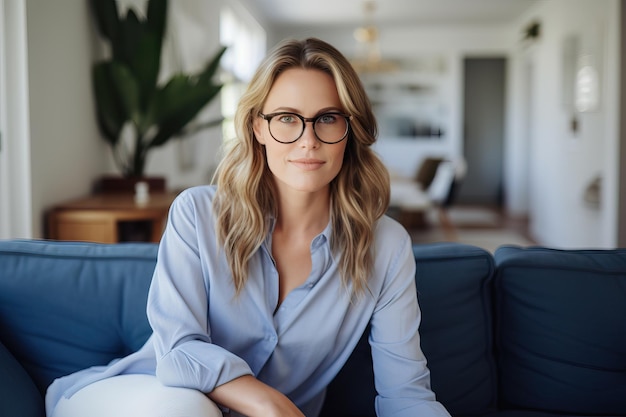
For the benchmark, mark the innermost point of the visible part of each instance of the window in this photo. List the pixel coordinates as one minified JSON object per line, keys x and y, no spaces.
{"x":246,"y":42}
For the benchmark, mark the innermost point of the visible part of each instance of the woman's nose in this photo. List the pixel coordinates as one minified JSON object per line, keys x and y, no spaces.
{"x":309,"y":139}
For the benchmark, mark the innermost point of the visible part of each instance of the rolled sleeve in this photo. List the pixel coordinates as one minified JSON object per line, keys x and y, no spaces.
{"x":178,"y":310}
{"x":199,"y":365}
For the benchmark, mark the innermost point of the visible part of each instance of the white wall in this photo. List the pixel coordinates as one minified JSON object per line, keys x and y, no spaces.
{"x":15,"y":177}
{"x":66,"y":152}
{"x":561,"y":163}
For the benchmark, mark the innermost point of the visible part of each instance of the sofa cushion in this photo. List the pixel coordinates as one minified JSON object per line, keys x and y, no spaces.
{"x":453,"y":283}
{"x":455,"y":296}
{"x":561,"y":330}
{"x":18,"y":394}
{"x":65,"y":306}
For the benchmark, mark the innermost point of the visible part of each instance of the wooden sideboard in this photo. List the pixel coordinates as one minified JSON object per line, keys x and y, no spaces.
{"x":110,"y":218}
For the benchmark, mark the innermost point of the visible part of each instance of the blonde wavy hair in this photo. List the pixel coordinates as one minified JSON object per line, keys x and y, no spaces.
{"x":359,"y":194}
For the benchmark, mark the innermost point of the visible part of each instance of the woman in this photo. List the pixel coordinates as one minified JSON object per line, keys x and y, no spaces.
{"x":265,"y":283}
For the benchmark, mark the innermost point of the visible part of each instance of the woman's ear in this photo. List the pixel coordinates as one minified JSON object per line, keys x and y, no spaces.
{"x":257,"y":127}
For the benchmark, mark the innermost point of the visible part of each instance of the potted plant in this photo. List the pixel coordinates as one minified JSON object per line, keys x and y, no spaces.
{"x":129,"y":98}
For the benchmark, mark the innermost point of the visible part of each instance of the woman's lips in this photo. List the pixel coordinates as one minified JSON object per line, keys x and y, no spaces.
{"x":307,"y":164}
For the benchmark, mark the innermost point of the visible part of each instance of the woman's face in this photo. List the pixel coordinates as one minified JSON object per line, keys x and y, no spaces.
{"x":306,"y":165}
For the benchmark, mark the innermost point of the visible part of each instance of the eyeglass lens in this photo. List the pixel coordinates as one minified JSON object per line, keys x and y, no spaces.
{"x":288,"y":127}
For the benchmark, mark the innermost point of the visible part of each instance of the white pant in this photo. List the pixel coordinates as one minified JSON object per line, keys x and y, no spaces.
{"x":136,"y":396}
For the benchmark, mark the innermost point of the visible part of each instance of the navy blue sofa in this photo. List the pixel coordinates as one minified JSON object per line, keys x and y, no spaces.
{"x":527,"y":332}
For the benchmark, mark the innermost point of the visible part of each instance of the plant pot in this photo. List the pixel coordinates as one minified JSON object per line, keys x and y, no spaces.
{"x":126,"y":185}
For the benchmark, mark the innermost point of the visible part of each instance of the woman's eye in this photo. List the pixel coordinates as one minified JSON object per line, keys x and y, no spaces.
{"x":287,"y":118}
{"x":327,"y":118}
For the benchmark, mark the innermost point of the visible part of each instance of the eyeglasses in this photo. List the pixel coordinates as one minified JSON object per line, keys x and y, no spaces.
{"x":288,"y":127}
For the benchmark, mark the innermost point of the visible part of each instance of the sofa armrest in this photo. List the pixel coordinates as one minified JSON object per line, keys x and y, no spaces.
{"x":18,"y":394}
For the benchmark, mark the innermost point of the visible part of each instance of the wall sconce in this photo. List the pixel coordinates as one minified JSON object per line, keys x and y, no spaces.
{"x":587,"y":85}
{"x":581,"y":80}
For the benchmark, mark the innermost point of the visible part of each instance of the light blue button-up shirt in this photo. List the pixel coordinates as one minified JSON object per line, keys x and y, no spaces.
{"x":205,"y":335}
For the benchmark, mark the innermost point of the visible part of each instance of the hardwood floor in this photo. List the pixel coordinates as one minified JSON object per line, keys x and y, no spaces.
{"x":484,"y":227}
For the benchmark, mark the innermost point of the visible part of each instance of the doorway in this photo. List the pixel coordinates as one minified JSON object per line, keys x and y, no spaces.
{"x":483,"y":131}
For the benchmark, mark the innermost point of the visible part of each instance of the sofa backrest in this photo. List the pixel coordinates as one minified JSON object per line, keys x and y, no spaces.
{"x":561,"y":330}
{"x":100,"y":289}
{"x":454,"y":284}
{"x":560,"y":325}
{"x":455,"y":295}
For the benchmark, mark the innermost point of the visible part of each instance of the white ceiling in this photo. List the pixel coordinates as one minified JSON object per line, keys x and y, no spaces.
{"x":336,"y":12}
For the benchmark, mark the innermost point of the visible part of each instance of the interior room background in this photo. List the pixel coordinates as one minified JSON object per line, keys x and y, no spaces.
{"x":551,"y":152}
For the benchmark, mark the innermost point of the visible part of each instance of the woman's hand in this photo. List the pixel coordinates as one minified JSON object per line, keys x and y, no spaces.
{"x":251,"y":397}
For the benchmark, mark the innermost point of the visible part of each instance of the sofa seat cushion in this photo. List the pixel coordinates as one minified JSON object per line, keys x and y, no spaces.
{"x":561,"y":330}
{"x":18,"y":394}
{"x":66,"y":306}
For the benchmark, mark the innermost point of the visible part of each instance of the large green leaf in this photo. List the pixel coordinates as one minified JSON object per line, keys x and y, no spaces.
{"x":166,"y":100}
{"x":157,"y":18}
{"x":126,"y":43}
{"x":174,"y":119}
{"x":180,"y":88}
{"x":127,"y":89}
{"x":139,"y":45}
{"x":206,"y":76}
{"x":145,"y":64}
{"x":181,"y":99}
{"x":110,"y":111}
{"x":170,"y":97}
{"x":107,"y":17}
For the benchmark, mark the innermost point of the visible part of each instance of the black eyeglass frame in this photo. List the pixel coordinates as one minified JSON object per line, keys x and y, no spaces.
{"x":306,"y":120}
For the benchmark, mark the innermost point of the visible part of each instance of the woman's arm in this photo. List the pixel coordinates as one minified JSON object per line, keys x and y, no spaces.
{"x":249,"y":396}
{"x":178,"y":304}
{"x":402,"y":377}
